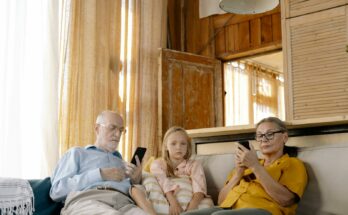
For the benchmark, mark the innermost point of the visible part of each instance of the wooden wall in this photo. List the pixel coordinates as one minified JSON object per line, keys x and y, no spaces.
{"x":226,"y":36}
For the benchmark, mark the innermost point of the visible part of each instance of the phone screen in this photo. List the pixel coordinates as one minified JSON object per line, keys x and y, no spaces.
{"x":140,"y":151}
{"x":245,"y":143}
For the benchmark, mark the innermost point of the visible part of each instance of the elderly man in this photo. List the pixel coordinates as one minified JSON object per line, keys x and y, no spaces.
{"x":95,"y":179}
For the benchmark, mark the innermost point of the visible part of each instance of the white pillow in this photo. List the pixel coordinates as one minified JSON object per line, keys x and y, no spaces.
{"x":183,"y":195}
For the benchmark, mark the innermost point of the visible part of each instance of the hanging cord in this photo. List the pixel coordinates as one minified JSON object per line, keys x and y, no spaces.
{"x":215,"y":34}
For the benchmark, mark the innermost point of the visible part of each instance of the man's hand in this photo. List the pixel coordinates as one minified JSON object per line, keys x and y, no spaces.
{"x":112,"y":174}
{"x":134,"y":171}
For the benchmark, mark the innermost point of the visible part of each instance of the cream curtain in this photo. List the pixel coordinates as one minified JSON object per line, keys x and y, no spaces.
{"x":153,"y":36}
{"x":109,"y":53}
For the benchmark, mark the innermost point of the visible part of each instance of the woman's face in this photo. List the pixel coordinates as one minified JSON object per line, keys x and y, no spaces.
{"x":270,"y":138}
{"x":177,"y":146}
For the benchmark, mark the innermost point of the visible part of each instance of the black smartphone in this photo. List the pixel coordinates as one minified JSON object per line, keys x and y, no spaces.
{"x":140,"y":151}
{"x":245,"y":143}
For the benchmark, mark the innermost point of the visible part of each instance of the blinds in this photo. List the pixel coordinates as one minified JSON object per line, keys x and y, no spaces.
{"x":319,"y":64}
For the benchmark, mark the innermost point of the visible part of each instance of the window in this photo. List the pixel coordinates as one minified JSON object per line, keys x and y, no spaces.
{"x":252,"y":93}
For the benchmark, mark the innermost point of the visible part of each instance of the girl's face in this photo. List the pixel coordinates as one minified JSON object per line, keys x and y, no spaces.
{"x":270,"y":138}
{"x":177,"y":146}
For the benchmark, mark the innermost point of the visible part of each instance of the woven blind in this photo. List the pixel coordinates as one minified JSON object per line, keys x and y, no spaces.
{"x":319,"y":64}
{"x":300,"y":7}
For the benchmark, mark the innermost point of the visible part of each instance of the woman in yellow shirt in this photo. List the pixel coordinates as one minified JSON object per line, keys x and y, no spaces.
{"x":269,"y":186}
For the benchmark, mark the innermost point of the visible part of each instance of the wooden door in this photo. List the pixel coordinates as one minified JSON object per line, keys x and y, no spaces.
{"x":190,"y":91}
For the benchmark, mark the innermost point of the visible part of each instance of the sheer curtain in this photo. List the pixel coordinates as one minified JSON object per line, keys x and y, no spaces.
{"x":237,"y":98}
{"x":252,"y":93}
{"x":28,"y":88}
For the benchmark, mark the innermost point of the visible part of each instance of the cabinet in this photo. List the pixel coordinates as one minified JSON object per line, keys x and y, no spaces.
{"x":315,"y":47}
{"x":190,"y":91}
{"x":294,"y":8}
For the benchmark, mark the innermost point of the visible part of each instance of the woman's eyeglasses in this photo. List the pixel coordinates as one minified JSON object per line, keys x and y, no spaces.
{"x":268,"y":135}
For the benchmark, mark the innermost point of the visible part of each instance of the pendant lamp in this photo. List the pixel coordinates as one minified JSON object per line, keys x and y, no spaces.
{"x":247,"y":6}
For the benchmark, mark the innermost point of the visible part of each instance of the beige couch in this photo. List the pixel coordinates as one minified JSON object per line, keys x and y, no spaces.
{"x":327,"y":167}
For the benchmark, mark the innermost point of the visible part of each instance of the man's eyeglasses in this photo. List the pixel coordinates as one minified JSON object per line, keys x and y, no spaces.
{"x":114,"y":128}
{"x":268,"y":135}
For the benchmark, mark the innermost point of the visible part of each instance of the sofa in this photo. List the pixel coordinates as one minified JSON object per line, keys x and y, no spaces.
{"x":327,"y":168}
{"x":325,"y":193}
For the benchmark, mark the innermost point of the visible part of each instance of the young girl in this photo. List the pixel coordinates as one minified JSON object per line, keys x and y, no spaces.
{"x":175,"y":163}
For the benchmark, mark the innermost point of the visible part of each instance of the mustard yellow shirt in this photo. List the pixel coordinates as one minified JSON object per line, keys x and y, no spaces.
{"x":249,"y":193}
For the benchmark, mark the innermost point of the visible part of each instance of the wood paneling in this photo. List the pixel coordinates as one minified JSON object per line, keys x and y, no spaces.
{"x":190,"y":91}
{"x":197,"y":31}
{"x":225,"y":36}
{"x":318,"y":64}
{"x":175,"y":24}
{"x":247,"y":35}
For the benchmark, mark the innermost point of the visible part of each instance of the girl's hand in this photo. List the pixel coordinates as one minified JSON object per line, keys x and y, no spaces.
{"x":196,"y":199}
{"x":174,"y":206}
{"x":175,"y":209}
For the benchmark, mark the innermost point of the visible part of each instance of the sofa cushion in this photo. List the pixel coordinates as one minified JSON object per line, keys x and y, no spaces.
{"x":216,"y":168}
{"x":327,"y":189}
{"x":44,"y":205}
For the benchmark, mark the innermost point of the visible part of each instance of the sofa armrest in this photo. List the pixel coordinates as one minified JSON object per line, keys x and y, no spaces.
{"x":43,"y":203}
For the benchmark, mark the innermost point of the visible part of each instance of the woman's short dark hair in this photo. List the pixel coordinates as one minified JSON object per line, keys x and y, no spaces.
{"x":290,"y":150}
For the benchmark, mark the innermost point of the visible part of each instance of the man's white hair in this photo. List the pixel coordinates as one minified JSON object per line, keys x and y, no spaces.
{"x":100,"y":117}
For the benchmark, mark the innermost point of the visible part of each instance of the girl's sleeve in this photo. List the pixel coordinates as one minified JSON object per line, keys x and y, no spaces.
{"x":158,"y":169}
{"x":199,"y":183}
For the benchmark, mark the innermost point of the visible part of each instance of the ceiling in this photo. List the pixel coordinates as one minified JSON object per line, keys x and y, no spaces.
{"x":272,"y":61}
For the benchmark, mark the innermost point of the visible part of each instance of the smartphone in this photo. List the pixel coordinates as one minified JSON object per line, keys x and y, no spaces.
{"x":140,"y":151}
{"x":245,"y":143}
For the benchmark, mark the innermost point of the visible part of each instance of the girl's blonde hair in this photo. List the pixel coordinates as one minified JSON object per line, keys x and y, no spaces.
{"x":165,"y":153}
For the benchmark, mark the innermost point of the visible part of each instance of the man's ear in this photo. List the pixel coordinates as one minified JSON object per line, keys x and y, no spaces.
{"x":96,"y":129}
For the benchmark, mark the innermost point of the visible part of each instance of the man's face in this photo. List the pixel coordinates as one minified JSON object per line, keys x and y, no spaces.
{"x":109,"y":132}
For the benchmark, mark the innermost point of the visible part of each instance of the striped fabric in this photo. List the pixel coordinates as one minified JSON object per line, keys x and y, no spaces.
{"x":183,"y":194}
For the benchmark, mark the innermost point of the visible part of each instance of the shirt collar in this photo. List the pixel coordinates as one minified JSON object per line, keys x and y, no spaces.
{"x":283,"y":158}
{"x":93,"y":147}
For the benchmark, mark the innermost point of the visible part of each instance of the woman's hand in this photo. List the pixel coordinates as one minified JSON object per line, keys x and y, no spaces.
{"x":245,"y":157}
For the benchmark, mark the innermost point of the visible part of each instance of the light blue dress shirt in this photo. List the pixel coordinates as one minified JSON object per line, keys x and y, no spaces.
{"x":79,"y":169}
